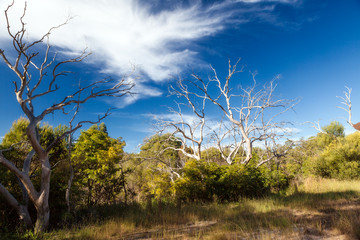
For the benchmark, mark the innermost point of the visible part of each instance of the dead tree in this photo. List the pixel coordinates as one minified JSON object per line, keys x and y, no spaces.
{"x":187,"y":132}
{"x":274,"y":151}
{"x":71,"y":168}
{"x":347,"y":102}
{"x":248,"y":109}
{"x":38,"y":74}
{"x":228,"y":140}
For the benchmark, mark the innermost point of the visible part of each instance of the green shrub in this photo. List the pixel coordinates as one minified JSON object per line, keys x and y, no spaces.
{"x":199,"y":181}
{"x":241,"y":181}
{"x":339,"y":160}
{"x":203,"y":182}
{"x":276,"y":179}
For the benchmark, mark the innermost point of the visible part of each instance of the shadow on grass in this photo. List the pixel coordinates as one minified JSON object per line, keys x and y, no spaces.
{"x":330,"y":210}
{"x":314,"y":200}
{"x":139,"y":215}
{"x":326,"y":212}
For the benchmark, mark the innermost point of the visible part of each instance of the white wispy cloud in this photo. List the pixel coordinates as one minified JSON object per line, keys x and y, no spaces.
{"x":140,"y":91}
{"x":173,"y":117}
{"x":128,"y":31}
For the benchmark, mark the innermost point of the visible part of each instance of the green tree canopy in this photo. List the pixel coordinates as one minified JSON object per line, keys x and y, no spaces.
{"x":96,"y":159}
{"x":334,"y":129}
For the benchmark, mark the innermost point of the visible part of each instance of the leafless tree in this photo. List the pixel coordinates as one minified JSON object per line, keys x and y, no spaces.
{"x":347,"y":102}
{"x":316,"y":126}
{"x":251,"y":112}
{"x":274,"y":151}
{"x":71,"y":169}
{"x":228,"y":140}
{"x":249,"y":116}
{"x":188,"y":132}
{"x":38,"y":72}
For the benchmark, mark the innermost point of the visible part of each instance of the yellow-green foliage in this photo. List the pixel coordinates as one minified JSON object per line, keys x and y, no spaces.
{"x":96,"y":159}
{"x":154,"y":167}
{"x":340,"y":159}
{"x":329,"y":154}
{"x":202,"y":181}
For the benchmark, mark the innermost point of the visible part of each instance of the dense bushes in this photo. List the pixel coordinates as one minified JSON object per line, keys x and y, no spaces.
{"x":204,"y":181}
{"x":241,"y":181}
{"x":276,"y":179}
{"x":340,"y":159}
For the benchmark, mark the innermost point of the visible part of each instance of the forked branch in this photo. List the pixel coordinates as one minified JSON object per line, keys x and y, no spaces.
{"x":346,"y":101}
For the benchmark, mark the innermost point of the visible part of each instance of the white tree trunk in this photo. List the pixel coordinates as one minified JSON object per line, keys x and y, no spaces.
{"x":42,"y":203}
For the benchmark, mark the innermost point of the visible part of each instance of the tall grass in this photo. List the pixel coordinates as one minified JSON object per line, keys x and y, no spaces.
{"x":323,"y":185}
{"x":314,"y":207}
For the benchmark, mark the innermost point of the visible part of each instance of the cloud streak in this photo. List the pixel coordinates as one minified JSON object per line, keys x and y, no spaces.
{"x":123,"y":32}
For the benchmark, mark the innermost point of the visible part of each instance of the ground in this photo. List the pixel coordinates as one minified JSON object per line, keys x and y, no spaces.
{"x":317,"y":209}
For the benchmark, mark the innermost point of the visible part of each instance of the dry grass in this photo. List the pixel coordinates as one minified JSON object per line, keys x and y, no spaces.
{"x":320,"y":185}
{"x":319,"y":209}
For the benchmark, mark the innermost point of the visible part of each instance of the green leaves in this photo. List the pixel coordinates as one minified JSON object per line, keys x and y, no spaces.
{"x":340,"y":159}
{"x":334,"y":129}
{"x":96,"y":159}
{"x":203,"y":181}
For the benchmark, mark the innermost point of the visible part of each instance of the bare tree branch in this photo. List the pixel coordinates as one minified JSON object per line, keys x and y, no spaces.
{"x":182,"y":130}
{"x":252,"y":112}
{"x":346,"y":101}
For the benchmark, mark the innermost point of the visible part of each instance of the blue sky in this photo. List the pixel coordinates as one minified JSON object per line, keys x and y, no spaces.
{"x":314,"y":45}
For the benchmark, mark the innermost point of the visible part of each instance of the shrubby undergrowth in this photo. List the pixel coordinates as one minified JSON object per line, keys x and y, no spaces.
{"x":204,"y":182}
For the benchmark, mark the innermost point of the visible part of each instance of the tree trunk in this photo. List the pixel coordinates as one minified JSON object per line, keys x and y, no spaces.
{"x":248,"y":150}
{"x":42,"y":220}
{"x":71,"y":172}
{"x":42,"y":203}
{"x":21,"y":210}
{"x":68,"y":189}
{"x":25,"y":195}
{"x":25,"y":216}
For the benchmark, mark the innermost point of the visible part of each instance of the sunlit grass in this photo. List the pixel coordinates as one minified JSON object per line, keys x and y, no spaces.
{"x":321,"y":185}
{"x":317,"y":207}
